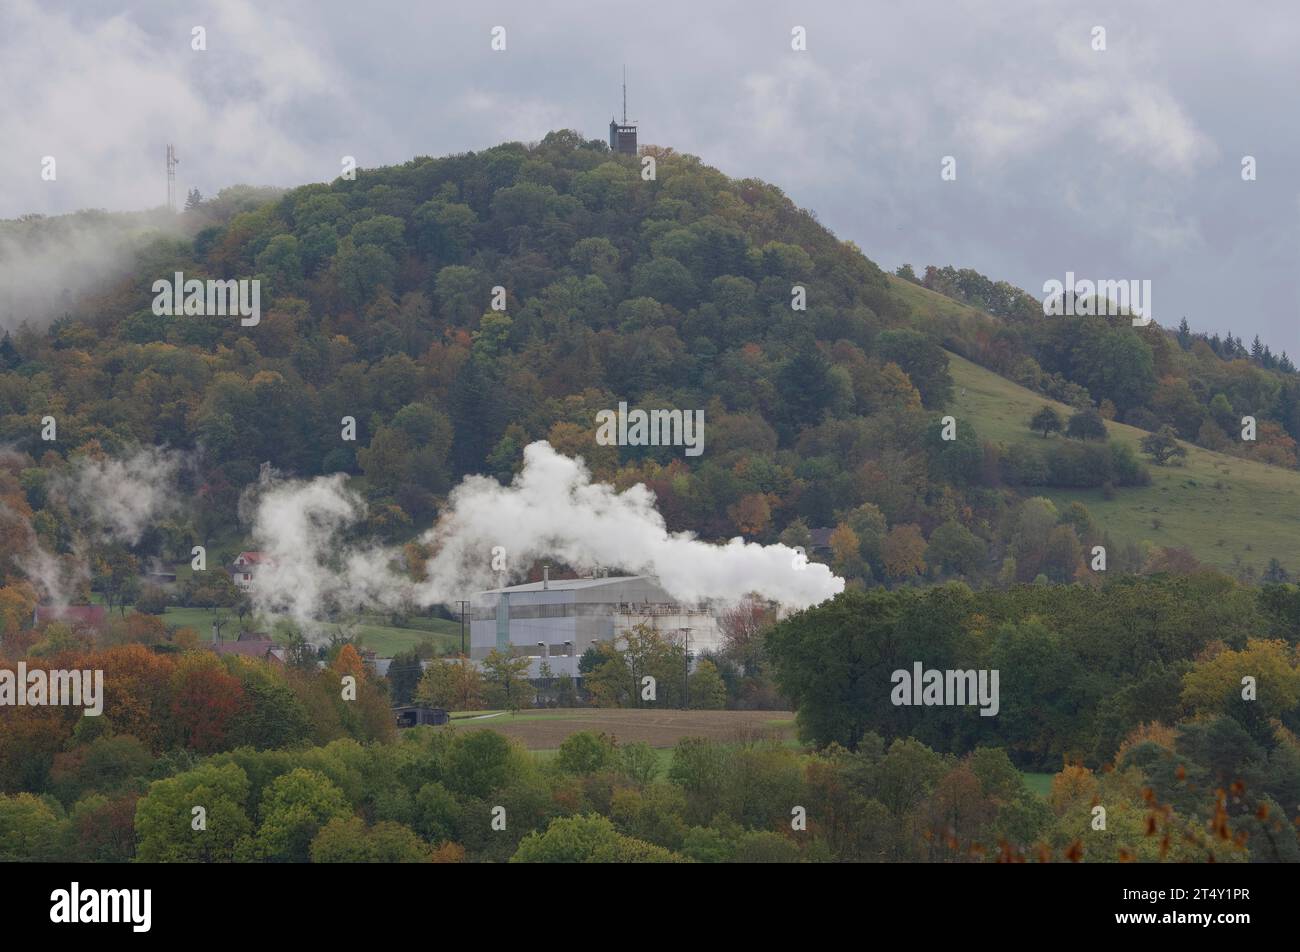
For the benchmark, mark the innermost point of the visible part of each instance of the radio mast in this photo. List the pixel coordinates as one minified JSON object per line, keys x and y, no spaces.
{"x":622,"y":139}
{"x":172,"y":162}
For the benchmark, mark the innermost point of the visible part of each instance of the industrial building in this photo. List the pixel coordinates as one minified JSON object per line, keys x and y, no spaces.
{"x":556,"y":620}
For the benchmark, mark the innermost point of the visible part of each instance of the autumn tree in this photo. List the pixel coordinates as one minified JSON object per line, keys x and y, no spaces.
{"x":752,"y":514}
{"x":1087,"y":424}
{"x":117,"y":576}
{"x":1046,"y":421}
{"x":588,"y":839}
{"x":1163,"y":446}
{"x":743,"y":626}
{"x":846,"y":549}
{"x":206,"y":700}
{"x":904,"y":552}
{"x":954,"y":548}
{"x":165,"y":818}
{"x":505,"y":680}
{"x":871,"y":528}
{"x":707,"y":690}
{"x":30,"y":829}
{"x":348,"y":662}
{"x":1032,"y":527}
{"x":349,"y":840}
{"x":294,"y":808}
{"x":1216,"y":685}
{"x":404,"y":674}
{"x":17,"y":603}
{"x":455,"y":684}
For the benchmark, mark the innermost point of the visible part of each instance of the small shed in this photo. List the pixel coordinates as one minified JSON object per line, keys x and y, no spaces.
{"x":415,"y":715}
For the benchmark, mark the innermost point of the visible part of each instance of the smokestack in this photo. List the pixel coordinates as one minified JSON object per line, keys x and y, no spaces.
{"x":546,"y":576}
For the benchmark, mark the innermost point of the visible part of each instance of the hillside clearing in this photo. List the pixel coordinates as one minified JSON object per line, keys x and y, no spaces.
{"x":1230,"y":512}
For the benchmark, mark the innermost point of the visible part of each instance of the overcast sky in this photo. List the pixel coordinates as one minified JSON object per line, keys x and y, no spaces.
{"x":1117,"y":164}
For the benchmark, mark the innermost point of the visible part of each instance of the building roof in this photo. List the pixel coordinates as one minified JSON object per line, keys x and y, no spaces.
{"x":257,"y":558}
{"x":568,"y":584}
{"x":821,"y":536}
{"x":84,"y":614}
{"x":249,"y":649}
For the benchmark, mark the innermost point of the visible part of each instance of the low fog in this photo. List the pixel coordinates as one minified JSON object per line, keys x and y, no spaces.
{"x":47,"y":265}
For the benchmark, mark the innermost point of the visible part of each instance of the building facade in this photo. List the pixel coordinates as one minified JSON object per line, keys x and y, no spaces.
{"x":244,"y":568}
{"x":555,"y":621}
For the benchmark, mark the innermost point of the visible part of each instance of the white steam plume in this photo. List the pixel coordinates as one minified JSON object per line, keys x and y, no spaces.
{"x":551,"y":510}
{"x":554,"y":509}
{"x":124,"y":497}
{"x":119,"y":499}
{"x":298,"y":527}
{"x":54,"y":578}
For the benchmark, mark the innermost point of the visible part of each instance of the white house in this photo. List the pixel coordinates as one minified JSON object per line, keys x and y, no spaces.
{"x":245,"y":567}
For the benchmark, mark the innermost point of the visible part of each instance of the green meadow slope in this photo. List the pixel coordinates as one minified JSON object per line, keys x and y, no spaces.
{"x":1229,"y":512}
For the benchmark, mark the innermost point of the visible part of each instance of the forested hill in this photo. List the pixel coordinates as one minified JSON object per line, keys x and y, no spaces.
{"x":676,"y":291}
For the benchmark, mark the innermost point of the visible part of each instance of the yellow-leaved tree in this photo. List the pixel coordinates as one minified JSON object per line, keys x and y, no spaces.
{"x":1218,"y":684}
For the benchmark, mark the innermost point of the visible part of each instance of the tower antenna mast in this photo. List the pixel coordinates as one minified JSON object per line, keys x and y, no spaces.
{"x":172,"y":162}
{"x":625,"y":94}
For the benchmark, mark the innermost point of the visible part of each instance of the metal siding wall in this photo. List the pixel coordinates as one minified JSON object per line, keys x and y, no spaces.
{"x":503,"y":623}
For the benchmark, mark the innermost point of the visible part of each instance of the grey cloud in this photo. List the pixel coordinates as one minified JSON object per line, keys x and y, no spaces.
{"x":1124,"y":163}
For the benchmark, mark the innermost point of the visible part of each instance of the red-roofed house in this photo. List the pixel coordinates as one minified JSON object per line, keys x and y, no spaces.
{"x":266,"y":649}
{"x":250,"y":644}
{"x":244,"y":567}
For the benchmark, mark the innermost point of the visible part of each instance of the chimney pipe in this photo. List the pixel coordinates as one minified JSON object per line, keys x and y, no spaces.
{"x":546,"y":576}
